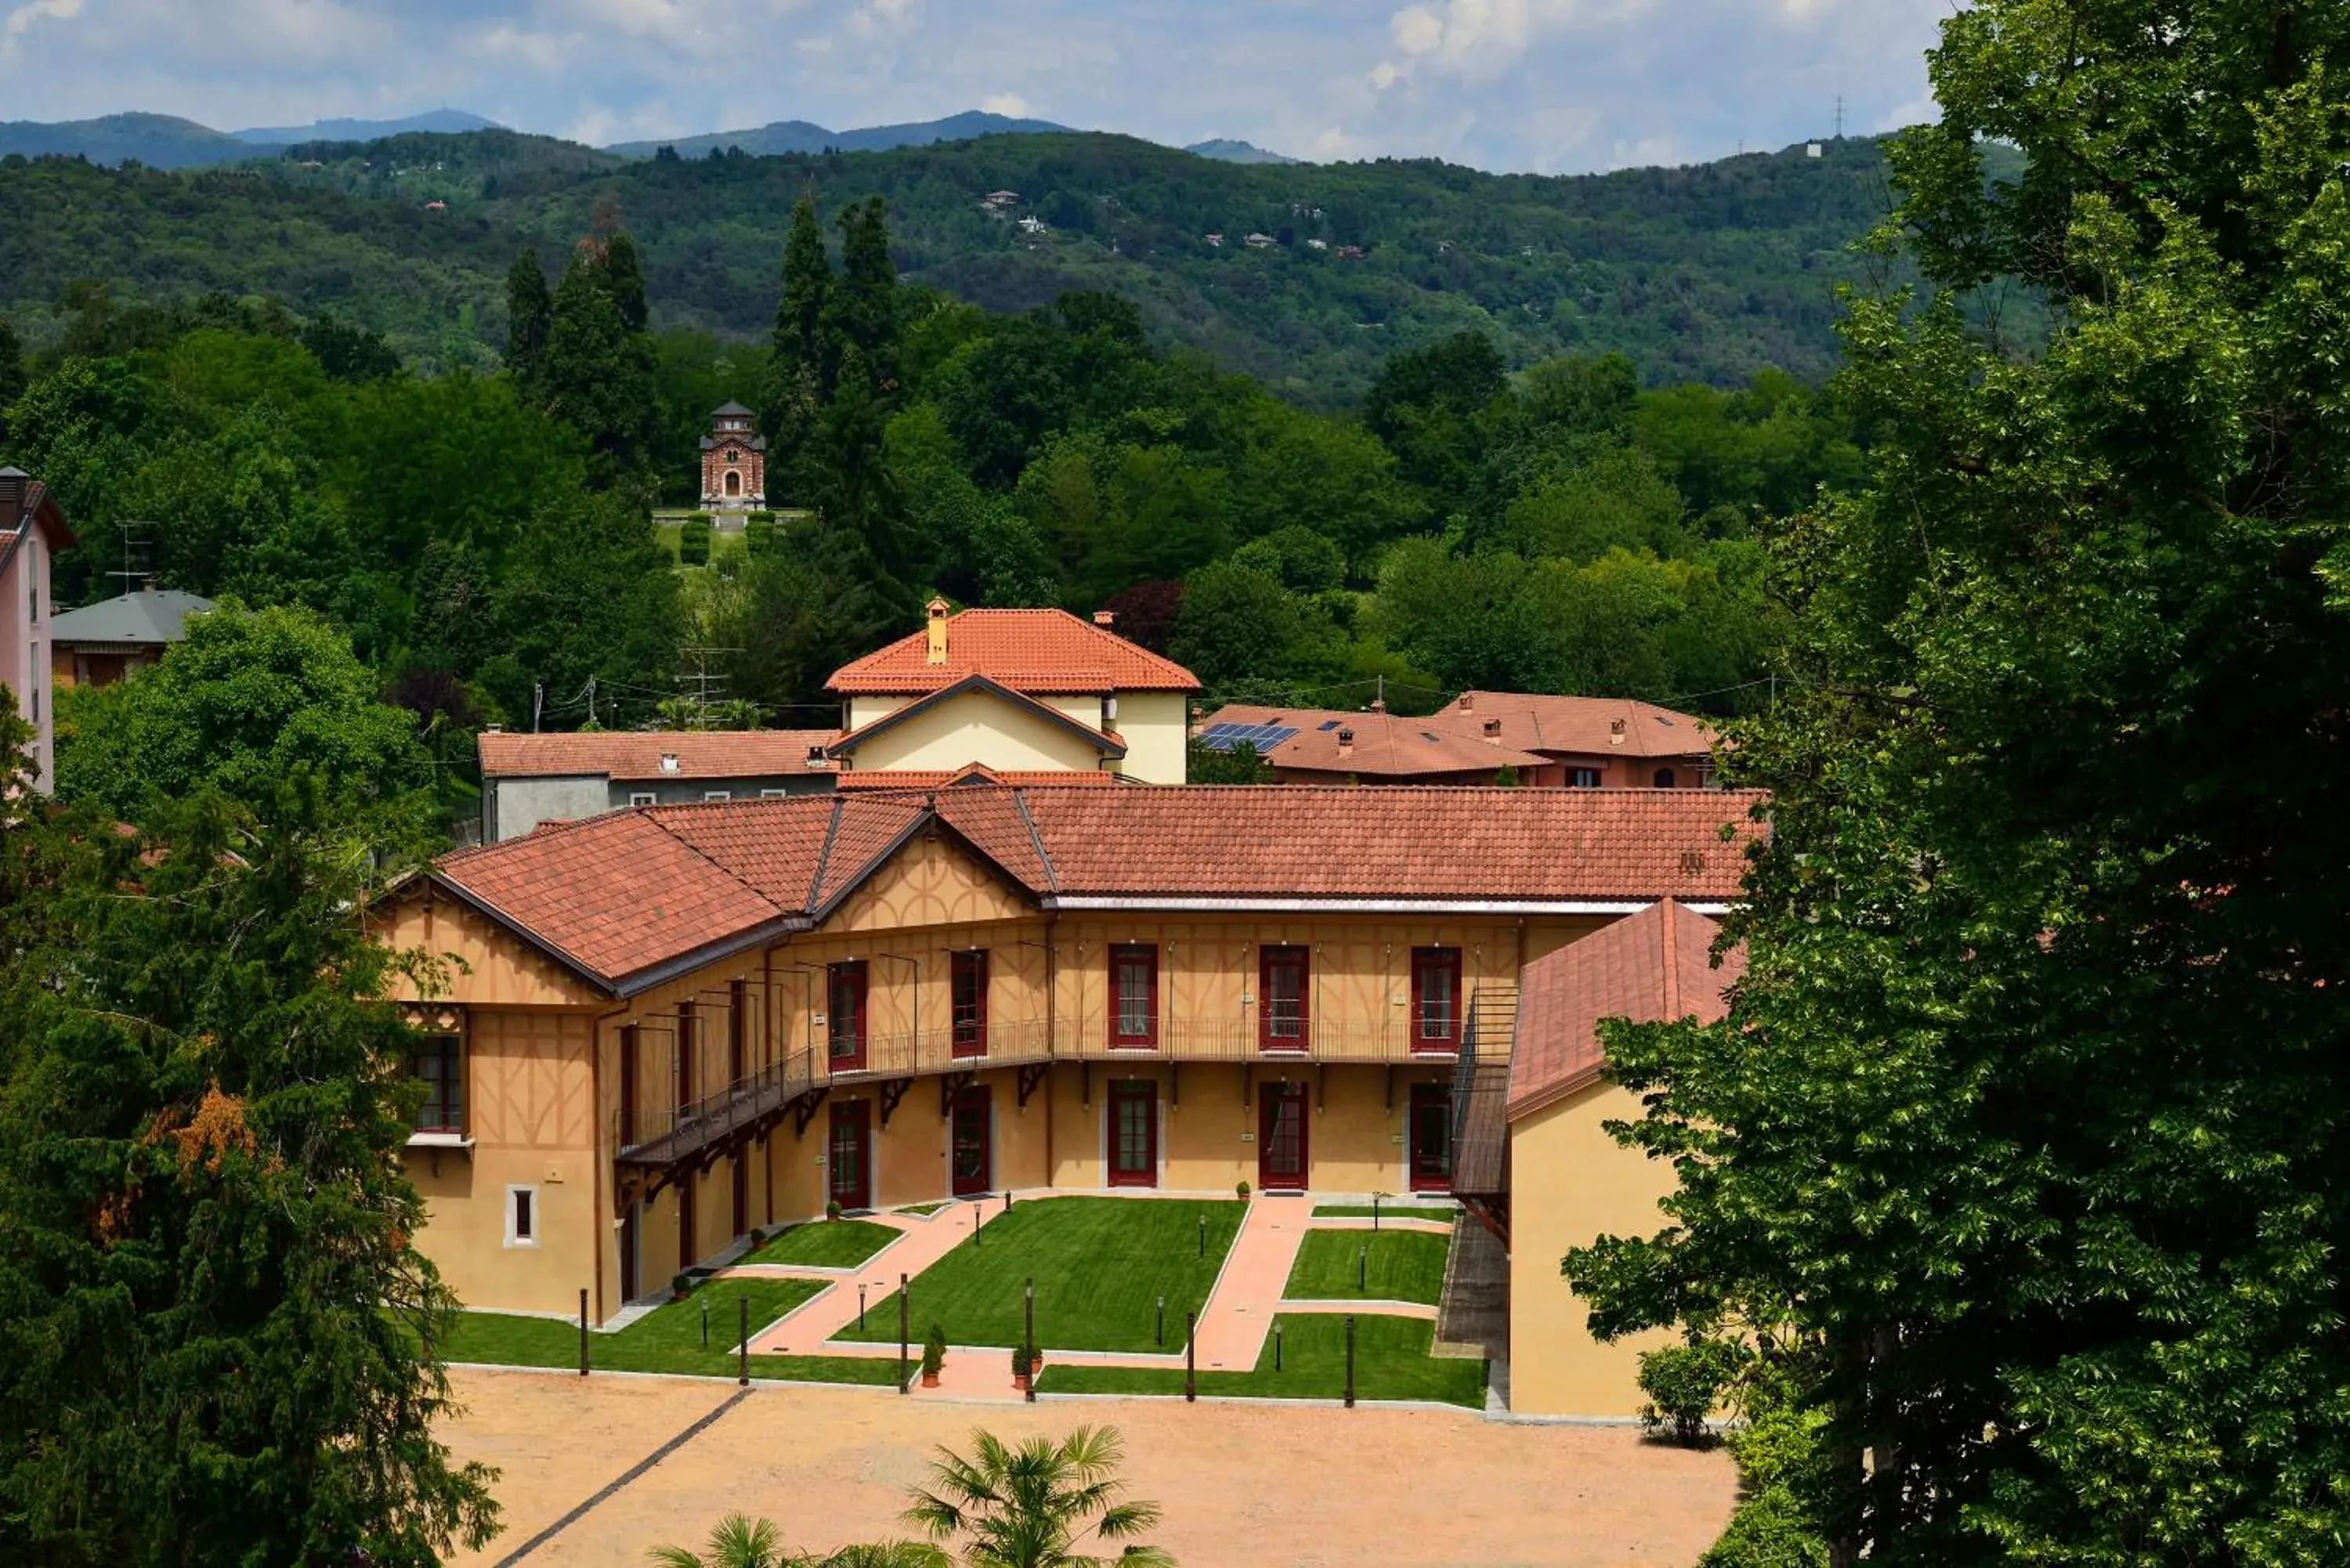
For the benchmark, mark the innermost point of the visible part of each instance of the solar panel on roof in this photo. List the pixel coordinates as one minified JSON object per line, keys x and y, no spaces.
{"x":1264,"y":737}
{"x":1327,"y":724}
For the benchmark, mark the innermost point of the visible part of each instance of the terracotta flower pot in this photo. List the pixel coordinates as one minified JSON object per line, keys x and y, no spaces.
{"x":1020,"y":1381}
{"x":930,"y":1379}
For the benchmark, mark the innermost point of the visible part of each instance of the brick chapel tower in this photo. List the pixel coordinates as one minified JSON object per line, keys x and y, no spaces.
{"x":733,"y":461}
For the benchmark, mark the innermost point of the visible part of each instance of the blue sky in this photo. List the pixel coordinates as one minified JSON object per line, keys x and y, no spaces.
{"x":1548,"y":85}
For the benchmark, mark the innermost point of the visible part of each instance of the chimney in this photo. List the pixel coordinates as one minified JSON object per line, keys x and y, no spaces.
{"x":1468,"y":701}
{"x":1493,"y":731}
{"x":497,"y":729}
{"x":1615,"y":732}
{"x":937,"y":653}
{"x":1378,"y":705}
{"x":816,"y":758}
{"x":1105,"y":619}
{"x":1345,"y":741}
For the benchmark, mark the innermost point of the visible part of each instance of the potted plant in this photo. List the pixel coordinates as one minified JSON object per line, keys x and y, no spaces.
{"x":680,"y":1287}
{"x":1023,"y":1365}
{"x":1243,"y":1190}
{"x":934,"y":1355}
{"x":832,"y":1209}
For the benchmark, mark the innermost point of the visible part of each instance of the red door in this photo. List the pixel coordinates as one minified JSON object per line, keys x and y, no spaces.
{"x":971,"y":1161}
{"x":1431,"y":1137}
{"x":1281,"y":1010}
{"x":1134,"y":1134}
{"x":1281,"y":1137}
{"x":1436,"y":1000}
{"x":848,"y":1166}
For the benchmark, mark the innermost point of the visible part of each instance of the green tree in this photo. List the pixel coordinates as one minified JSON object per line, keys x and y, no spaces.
{"x":12,"y":373}
{"x":588,"y":592}
{"x":798,"y":378}
{"x":596,"y":375}
{"x":1030,"y":1506}
{"x":249,"y":699}
{"x":206,"y":1239}
{"x":862,"y":308}
{"x":741,"y":1543}
{"x":624,"y":273}
{"x":530,"y":316}
{"x":2027,"y":1117}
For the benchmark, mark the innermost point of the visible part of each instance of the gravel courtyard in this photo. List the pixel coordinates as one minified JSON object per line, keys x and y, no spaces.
{"x":1253,"y":1485}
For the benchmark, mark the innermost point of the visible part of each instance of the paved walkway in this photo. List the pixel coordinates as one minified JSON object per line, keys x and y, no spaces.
{"x":1233,"y":1326}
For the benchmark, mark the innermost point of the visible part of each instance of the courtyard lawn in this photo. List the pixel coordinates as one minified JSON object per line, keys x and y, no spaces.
{"x":1391,"y":1361}
{"x":1384,"y":1211}
{"x":668,"y":1339}
{"x":1100,"y":1265}
{"x":1402,"y":1266}
{"x":921,"y":1209}
{"x":826,"y":1244}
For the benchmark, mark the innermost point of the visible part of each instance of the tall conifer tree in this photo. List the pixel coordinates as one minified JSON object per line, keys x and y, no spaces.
{"x":798,"y":378}
{"x":599,"y":377}
{"x":863,"y":309}
{"x":529,"y":314}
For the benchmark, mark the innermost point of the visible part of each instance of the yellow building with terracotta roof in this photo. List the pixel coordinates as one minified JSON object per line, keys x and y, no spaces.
{"x":658,"y":1028}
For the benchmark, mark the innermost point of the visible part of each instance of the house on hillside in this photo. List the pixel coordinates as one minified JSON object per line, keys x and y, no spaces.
{"x":1015,"y":691}
{"x":1532,"y":1160}
{"x":1311,"y":745}
{"x":667,"y":1026}
{"x":1593,"y":742}
{"x":98,"y":644}
{"x":32,"y":530}
{"x":528,"y":781}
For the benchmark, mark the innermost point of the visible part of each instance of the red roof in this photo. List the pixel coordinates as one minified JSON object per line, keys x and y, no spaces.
{"x":968,"y":775}
{"x":632,"y":892}
{"x":1031,"y":650}
{"x":637,"y":754}
{"x":1655,"y":967}
{"x":1380,"y":745}
{"x":1585,"y":726}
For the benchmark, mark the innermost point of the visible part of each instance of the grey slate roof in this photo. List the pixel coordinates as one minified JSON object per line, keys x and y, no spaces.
{"x":728,"y":408}
{"x":149,"y":616}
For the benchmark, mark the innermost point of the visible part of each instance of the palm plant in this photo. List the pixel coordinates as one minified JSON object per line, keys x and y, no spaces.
{"x":739,"y":1542}
{"x":1027,"y":1507}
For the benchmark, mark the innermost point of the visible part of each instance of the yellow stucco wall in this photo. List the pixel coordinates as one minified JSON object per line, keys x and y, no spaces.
{"x":527,"y":1088}
{"x":978,"y":727}
{"x":1569,"y":1184}
{"x":473,"y":960}
{"x":1155,"y":727}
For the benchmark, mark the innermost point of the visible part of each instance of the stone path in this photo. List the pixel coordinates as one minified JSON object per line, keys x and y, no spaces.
{"x":1233,"y":1326}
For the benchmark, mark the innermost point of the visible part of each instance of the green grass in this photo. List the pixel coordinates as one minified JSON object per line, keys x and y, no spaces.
{"x":1385,"y":1211}
{"x":666,"y":1340}
{"x":826,"y":1244}
{"x":1100,"y":1265}
{"x":1391,"y":1361}
{"x":1402,"y":1266}
{"x":921,"y":1208}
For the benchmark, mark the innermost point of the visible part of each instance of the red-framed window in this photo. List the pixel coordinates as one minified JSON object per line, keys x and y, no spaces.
{"x":845,"y":992}
{"x":440,"y":1062}
{"x":1283,"y":999}
{"x":968,"y":1002}
{"x":1436,"y":999}
{"x":1134,"y":995}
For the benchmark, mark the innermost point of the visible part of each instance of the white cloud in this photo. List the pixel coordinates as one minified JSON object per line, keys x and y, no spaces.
{"x":21,"y":20}
{"x":1006,"y":103}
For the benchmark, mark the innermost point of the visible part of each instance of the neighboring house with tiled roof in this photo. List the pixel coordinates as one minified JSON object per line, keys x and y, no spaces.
{"x":658,"y":1028}
{"x":1316,"y":745}
{"x":530,"y":779}
{"x":32,"y":530}
{"x":1534,"y":1160}
{"x":1018,"y":691}
{"x":98,"y":644}
{"x":1608,"y":742}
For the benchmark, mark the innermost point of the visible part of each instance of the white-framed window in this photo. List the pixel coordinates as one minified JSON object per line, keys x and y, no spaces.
{"x":718,"y":794}
{"x":522,"y":1216}
{"x":773,"y":794}
{"x":641,"y":797}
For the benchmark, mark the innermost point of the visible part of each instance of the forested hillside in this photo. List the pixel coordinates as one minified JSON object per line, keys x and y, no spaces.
{"x":1709,"y":273}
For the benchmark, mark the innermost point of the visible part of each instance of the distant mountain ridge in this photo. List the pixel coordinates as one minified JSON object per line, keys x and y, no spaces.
{"x":788,"y":136}
{"x":448,"y":121}
{"x":1226,"y":151}
{"x":158,"y":140}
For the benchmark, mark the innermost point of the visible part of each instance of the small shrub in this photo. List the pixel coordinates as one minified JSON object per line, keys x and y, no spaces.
{"x":1684,"y":1383}
{"x":934,"y":1350}
{"x":758,"y":1237}
{"x":1243,"y":1190}
{"x":1022,"y":1362}
{"x":759,"y":532}
{"x":693,"y":541}
{"x":1783,"y":1471}
{"x":681,"y":1286}
{"x":832,"y":1209}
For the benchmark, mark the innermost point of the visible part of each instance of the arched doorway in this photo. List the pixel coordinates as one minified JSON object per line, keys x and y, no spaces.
{"x":734,"y":483}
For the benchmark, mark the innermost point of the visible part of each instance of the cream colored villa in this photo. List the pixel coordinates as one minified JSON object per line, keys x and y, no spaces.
{"x":1015,"y":691}
{"x":664,"y":1025}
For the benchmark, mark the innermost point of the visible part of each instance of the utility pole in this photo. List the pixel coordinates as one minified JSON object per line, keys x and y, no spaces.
{"x":1839,"y":135}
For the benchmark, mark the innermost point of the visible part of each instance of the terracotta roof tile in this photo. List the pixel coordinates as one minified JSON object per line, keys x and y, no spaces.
{"x":1406,"y":842}
{"x":1383,"y":745}
{"x":1581,"y":725}
{"x":1033,"y":651}
{"x":1655,"y":966}
{"x":636,"y":755}
{"x":970,"y":775}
